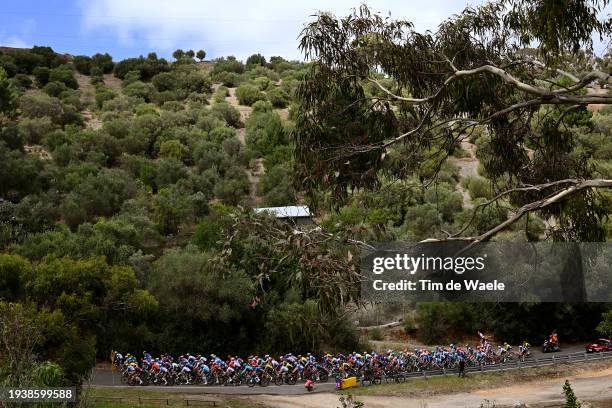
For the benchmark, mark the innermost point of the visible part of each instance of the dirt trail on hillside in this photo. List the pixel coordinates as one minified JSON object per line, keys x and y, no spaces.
{"x":88,"y":91}
{"x":252,"y":174}
{"x":88,"y":98}
{"x":592,"y":387}
{"x":245,"y":111}
{"x":113,"y":82}
{"x":90,"y":120}
{"x":468,"y":166}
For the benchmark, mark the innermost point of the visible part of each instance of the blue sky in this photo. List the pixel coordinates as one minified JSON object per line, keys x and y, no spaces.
{"x":127,"y":28}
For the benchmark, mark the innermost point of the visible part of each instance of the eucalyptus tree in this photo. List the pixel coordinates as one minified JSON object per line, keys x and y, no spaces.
{"x":377,"y":89}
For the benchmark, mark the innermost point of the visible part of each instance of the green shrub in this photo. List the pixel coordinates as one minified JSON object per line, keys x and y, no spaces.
{"x":262,"y":83}
{"x":208,"y":121}
{"x":447,"y":200}
{"x":104,"y":62}
{"x":97,"y":76}
{"x":130,"y":78}
{"x":421,"y":221}
{"x":219,"y":134}
{"x":104,"y":94}
{"x":139,"y":89}
{"x":229,"y":64}
{"x":278,"y":97}
{"x":249,"y":94}
{"x":147,"y":67}
{"x":376,"y":334}
{"x":228,"y":113}
{"x":479,"y":187}
{"x":230,"y":79}
{"x":145,"y":109}
{"x":570,"y":398}
{"x":33,"y":130}
{"x":409,"y":324}
{"x":22,"y":81}
{"x":605,"y":326}
{"x":172,"y":106}
{"x":38,"y":105}
{"x":436,"y":320}
{"x":173,"y":149}
{"x":82,"y":63}
{"x":256,"y":59}
{"x":41,"y":74}
{"x":54,"y":88}
{"x":65,"y":75}
{"x":231,"y":191}
{"x":262,"y":107}
{"x":165,"y":81}
{"x":265,"y":132}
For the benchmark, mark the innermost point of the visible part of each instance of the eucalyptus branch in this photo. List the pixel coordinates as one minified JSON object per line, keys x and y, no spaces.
{"x":556,"y":197}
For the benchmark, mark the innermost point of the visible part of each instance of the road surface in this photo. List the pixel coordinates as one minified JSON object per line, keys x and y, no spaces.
{"x":105,"y":378}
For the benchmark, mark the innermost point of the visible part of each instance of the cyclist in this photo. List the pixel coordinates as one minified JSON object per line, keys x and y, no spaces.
{"x":524,"y":349}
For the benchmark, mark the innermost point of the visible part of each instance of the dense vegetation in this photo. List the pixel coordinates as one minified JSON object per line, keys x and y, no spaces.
{"x":125,"y":196}
{"x":119,"y":190}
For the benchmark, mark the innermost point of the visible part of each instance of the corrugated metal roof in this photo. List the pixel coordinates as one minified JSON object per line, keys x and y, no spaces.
{"x":295,"y":211}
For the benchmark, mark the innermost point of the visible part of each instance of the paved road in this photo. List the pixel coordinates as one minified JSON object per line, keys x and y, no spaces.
{"x":105,"y":378}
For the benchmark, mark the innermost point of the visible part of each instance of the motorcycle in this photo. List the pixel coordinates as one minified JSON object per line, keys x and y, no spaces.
{"x":549,"y":347}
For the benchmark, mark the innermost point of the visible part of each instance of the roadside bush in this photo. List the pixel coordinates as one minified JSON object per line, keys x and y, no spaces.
{"x":257,"y":71}
{"x":376,"y":334}
{"x":439,"y":321}
{"x":409,"y":324}
{"x":232,"y":146}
